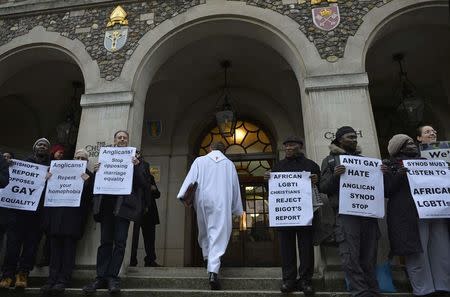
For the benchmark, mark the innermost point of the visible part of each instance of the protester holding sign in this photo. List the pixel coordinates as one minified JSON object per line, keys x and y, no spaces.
{"x":114,"y":213}
{"x":357,"y":236}
{"x":435,"y":233}
{"x":4,"y":213}
{"x":296,"y":161}
{"x":65,"y":226}
{"x":25,"y":230}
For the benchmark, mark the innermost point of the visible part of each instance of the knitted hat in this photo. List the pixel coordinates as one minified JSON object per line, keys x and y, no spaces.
{"x":294,"y":139}
{"x":41,"y":140}
{"x":342,"y":131}
{"x":82,"y":153}
{"x":396,"y":143}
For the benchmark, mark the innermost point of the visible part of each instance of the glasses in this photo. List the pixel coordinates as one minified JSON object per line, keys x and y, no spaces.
{"x":430,"y":132}
{"x":80,"y":158}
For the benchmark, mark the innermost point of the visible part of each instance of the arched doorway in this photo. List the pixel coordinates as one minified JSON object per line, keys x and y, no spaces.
{"x":40,"y":88}
{"x":251,"y":148}
{"x":421,"y":36}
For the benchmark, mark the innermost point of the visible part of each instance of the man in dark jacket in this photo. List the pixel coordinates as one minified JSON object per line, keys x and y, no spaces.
{"x":295,"y":161}
{"x":114,"y":214}
{"x":357,"y":236}
{"x":4,"y":180}
{"x":148,"y":221}
{"x":24,"y":231}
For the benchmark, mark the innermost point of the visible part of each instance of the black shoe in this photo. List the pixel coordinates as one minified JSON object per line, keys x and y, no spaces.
{"x":288,"y":287}
{"x":98,"y":283}
{"x":58,"y":289}
{"x":46,"y":289}
{"x":114,"y":285}
{"x":214,"y":281}
{"x":152,"y":264}
{"x":306,"y":287}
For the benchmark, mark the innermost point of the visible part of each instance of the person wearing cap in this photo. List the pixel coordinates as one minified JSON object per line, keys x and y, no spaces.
{"x":149,"y":219}
{"x":356,"y":236}
{"x":424,"y":243}
{"x":295,"y":161}
{"x":24,"y":231}
{"x":57,"y":152}
{"x":217,"y":198}
{"x":65,"y":226}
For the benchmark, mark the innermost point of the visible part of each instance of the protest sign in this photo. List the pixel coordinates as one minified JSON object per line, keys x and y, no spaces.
{"x":290,"y":199}
{"x":361,"y":190}
{"x":115,"y":175}
{"x":26,"y":183}
{"x":65,"y":186}
{"x":436,"y":150}
{"x":429,"y":182}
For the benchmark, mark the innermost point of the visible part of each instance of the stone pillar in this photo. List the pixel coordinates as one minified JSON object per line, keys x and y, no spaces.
{"x":102,"y":115}
{"x":334,"y":101}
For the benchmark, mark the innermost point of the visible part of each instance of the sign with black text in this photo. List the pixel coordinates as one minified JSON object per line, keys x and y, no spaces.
{"x":65,"y":186}
{"x":436,"y":150}
{"x":26,"y":183}
{"x":361,"y":190}
{"x":115,"y":175}
{"x":429,"y":182}
{"x":290,"y":199}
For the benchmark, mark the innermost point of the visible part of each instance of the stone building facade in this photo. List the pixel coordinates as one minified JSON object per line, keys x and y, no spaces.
{"x":289,"y":76}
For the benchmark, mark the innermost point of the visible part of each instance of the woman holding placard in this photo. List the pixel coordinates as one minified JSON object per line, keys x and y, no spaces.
{"x":434,"y":234}
{"x":65,"y":228}
{"x":427,"y":265}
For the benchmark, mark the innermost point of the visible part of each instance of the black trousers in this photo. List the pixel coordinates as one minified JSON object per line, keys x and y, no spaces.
{"x":113,"y":240}
{"x":148,"y":232}
{"x":22,"y":241}
{"x":288,"y":239}
{"x":62,"y":259}
{"x":358,"y":241}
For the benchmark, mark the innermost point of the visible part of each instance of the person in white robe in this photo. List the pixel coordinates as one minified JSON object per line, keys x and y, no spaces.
{"x":217,"y":197}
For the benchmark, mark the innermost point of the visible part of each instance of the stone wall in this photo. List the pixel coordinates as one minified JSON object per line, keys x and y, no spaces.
{"x":88,"y":24}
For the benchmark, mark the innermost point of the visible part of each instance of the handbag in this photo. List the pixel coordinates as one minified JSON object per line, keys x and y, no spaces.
{"x":189,"y":195}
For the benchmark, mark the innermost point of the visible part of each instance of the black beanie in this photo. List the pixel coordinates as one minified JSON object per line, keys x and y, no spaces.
{"x":342,"y":131}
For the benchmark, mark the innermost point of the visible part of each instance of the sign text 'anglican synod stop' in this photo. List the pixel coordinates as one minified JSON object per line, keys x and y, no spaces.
{"x":26,"y":183}
{"x":65,"y":186}
{"x":361,"y":191}
{"x":290,"y":199}
{"x":429,"y":182}
{"x":115,"y":175}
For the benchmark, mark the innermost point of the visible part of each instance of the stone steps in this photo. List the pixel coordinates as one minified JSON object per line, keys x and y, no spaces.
{"x":192,"y":281}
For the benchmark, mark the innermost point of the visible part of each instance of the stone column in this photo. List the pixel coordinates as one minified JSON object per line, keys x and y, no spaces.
{"x":102,"y":115}
{"x":334,"y":101}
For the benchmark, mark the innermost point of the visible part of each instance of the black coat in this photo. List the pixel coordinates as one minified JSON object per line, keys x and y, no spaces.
{"x":402,"y":217}
{"x":70,"y":221}
{"x":129,"y":207}
{"x":4,"y":172}
{"x":297,"y":164}
{"x":150,"y":195}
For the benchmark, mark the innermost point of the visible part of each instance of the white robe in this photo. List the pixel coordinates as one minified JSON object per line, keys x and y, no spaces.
{"x":218,"y":196}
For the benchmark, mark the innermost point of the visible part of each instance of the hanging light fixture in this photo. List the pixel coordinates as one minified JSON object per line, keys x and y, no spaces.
{"x":411,"y":104}
{"x":225,"y":116}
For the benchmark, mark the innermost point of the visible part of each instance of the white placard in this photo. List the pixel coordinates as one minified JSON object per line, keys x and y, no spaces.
{"x":436,"y":150}
{"x":361,"y":188}
{"x":290,"y":199}
{"x":26,"y":183}
{"x":65,"y":186}
{"x":429,"y":182}
{"x":115,"y":175}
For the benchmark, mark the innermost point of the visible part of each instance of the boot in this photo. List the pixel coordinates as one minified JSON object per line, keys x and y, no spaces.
{"x":21,"y":280}
{"x":6,"y":283}
{"x":214,"y":281}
